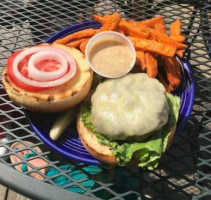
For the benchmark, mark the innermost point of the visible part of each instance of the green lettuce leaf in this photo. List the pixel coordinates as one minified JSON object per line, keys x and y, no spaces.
{"x":148,"y":152}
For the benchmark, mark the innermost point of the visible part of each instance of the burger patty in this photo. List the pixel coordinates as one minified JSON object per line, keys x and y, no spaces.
{"x":133,"y":106}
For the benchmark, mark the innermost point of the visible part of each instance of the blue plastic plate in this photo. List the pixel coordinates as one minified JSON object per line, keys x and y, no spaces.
{"x":69,"y":144}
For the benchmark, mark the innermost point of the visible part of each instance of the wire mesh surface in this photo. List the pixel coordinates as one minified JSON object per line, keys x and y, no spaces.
{"x":185,"y":169}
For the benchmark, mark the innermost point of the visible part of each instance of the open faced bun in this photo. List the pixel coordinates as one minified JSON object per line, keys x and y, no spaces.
{"x":91,"y":144}
{"x":58,"y":98}
{"x":101,"y":151}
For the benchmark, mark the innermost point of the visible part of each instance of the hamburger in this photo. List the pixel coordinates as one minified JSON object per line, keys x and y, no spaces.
{"x":129,"y":119}
{"x":55,"y":98}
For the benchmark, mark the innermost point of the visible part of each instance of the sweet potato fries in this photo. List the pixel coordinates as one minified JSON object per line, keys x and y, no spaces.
{"x":155,"y":49}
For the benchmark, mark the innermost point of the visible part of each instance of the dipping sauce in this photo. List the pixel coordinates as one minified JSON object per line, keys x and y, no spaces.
{"x":111,"y":57}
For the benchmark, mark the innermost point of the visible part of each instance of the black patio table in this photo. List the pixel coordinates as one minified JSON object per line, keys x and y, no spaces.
{"x":184,"y":171}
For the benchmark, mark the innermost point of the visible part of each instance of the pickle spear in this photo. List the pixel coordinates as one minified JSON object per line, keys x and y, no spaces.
{"x":62,"y":122}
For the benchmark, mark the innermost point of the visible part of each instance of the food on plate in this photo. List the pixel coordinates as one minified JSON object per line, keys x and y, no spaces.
{"x":151,"y":63}
{"x":111,"y":23}
{"x":160,"y":26}
{"x":172,"y":69}
{"x":80,"y":34}
{"x":140,"y":56}
{"x":133,"y":30}
{"x":175,"y":34}
{"x":110,"y":54}
{"x":76,"y":43}
{"x":62,"y":122}
{"x":165,"y":39}
{"x":47,"y":78}
{"x":129,"y":119}
{"x":148,"y":36}
{"x":175,"y":31}
{"x":151,"y":22}
{"x":153,"y":46}
{"x":83,"y":45}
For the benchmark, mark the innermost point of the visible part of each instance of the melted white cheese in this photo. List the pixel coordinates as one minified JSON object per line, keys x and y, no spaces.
{"x":133,"y":105}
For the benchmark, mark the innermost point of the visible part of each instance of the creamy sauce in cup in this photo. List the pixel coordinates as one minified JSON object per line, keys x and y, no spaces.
{"x":110,"y":57}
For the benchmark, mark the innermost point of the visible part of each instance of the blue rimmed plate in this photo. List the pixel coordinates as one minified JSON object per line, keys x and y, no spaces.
{"x":69,"y":143}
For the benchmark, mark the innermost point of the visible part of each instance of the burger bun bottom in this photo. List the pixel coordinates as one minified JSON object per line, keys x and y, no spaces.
{"x":101,"y":151}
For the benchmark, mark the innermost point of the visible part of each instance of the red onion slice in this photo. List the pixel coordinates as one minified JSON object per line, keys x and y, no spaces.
{"x":52,"y":83}
{"x":47,"y":76}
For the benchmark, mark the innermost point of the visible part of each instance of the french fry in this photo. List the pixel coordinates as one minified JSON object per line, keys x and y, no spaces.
{"x":180,"y":53}
{"x":153,"y":46}
{"x":165,"y":39}
{"x":160,"y":26}
{"x":175,"y":34}
{"x":151,"y":65}
{"x":175,"y":28}
{"x":133,"y":22}
{"x":151,"y":22}
{"x":162,"y":80}
{"x":112,"y":23}
{"x":101,"y":19}
{"x":178,"y":38}
{"x":104,"y":19}
{"x":175,"y":31}
{"x":118,"y":29}
{"x":173,"y":71}
{"x":83,"y":45}
{"x":132,"y":30}
{"x":76,"y":43}
{"x":83,"y":33}
{"x":141,"y":59}
{"x":141,"y":26}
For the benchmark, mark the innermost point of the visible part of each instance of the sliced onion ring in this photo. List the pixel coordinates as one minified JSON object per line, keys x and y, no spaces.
{"x":64,"y":79}
{"x":47,"y":76}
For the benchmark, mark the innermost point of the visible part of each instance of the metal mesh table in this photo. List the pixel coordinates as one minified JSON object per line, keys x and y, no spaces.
{"x":185,"y":169}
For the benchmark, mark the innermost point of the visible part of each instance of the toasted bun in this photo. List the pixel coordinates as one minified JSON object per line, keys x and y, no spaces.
{"x":101,"y":151}
{"x":96,"y":149}
{"x":58,"y":98}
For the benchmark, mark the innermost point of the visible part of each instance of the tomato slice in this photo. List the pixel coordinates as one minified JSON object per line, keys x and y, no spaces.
{"x":47,"y":65}
{"x":23,"y":69}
